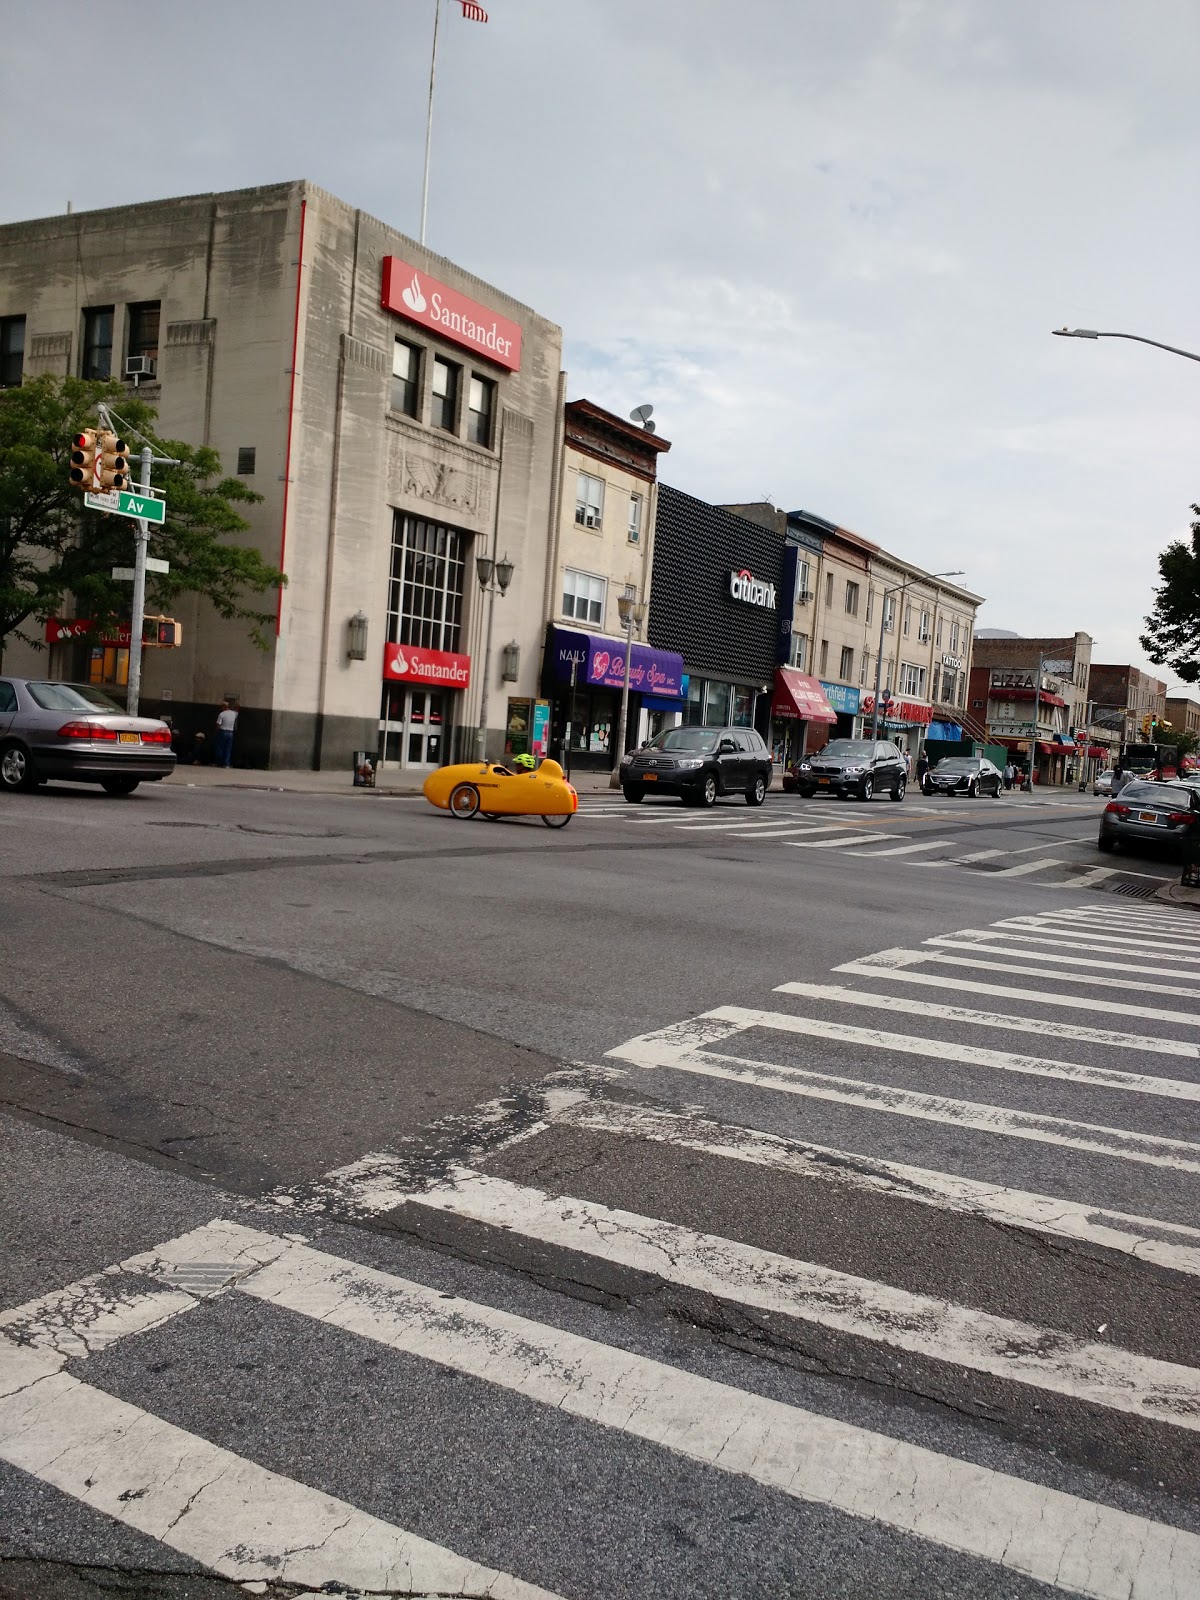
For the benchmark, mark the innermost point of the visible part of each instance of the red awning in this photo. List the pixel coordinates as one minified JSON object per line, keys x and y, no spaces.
{"x":798,"y":695}
{"x":1045,"y":697}
{"x":1095,"y":750}
{"x":1052,"y":749}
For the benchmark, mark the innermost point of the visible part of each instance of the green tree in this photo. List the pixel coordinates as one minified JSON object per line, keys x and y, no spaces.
{"x":1172,"y":638}
{"x":52,"y":547}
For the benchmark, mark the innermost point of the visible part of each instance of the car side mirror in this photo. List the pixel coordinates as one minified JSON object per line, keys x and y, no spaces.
{"x":727,"y":745}
{"x":645,"y":745}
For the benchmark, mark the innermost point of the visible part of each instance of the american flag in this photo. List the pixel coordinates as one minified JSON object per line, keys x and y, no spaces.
{"x":472,"y":11}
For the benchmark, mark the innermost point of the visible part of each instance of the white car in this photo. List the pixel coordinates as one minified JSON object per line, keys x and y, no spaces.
{"x":1103,"y":783}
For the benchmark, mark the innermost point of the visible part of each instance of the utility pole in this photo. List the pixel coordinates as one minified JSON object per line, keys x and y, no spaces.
{"x":138,"y":613}
{"x":1037,"y":706}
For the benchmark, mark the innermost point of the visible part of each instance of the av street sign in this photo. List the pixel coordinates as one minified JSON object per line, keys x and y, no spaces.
{"x":124,"y":503}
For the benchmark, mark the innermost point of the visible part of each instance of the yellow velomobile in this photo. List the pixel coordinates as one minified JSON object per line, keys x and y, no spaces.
{"x":481,"y":788}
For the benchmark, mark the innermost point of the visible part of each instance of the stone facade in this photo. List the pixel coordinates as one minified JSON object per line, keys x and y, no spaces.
{"x":276,"y":346}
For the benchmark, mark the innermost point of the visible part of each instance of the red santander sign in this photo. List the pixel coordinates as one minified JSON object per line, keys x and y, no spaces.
{"x":407,"y":663}
{"x":60,"y":630}
{"x":420,"y":298}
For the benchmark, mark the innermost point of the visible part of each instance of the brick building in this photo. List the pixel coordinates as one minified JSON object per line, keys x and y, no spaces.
{"x":1004,"y":687}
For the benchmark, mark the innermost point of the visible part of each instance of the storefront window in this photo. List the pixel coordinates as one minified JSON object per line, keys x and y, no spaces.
{"x":694,"y":711}
{"x":716,"y":705}
{"x":107,"y":663}
{"x":741,"y":709}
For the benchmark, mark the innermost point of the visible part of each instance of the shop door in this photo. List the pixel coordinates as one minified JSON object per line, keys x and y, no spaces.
{"x":412,"y":728}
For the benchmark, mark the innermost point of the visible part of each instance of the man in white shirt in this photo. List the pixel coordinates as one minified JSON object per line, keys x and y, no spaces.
{"x":226,"y":723}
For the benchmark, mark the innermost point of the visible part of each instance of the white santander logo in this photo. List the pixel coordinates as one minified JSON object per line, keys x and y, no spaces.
{"x":399,"y":662}
{"x":412,"y":296}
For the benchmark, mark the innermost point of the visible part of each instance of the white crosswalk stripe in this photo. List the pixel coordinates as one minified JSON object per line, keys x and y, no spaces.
{"x":1059,"y":975}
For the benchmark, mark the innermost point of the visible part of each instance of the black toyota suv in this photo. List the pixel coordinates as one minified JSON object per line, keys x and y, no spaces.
{"x":699,"y":764}
{"x":860,"y":767}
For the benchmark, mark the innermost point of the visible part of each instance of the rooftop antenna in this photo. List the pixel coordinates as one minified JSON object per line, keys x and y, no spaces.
{"x":643,"y":414}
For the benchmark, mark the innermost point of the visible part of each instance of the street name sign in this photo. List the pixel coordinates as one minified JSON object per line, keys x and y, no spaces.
{"x":124,"y":503}
{"x":153,"y":564}
{"x":124,"y":574}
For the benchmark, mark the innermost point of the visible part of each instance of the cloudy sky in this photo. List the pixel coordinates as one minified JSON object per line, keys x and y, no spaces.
{"x":827,"y":239}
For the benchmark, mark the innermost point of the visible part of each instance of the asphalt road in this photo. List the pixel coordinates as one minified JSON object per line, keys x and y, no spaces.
{"x":797,"y":1201}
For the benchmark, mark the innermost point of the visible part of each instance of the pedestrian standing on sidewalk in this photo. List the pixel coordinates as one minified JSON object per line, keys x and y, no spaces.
{"x":226,"y":723}
{"x":1009,"y":774}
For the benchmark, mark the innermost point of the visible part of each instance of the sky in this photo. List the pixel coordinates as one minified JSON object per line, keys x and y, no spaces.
{"x":826,"y":239}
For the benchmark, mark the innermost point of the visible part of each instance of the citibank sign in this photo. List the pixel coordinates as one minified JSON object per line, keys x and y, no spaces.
{"x":744,"y":586}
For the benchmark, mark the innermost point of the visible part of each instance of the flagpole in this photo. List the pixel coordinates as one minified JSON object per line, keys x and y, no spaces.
{"x":437,"y":12}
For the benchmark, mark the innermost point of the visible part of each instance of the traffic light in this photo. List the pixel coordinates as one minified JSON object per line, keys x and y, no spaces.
{"x":112,"y":468}
{"x":161,"y":633}
{"x":1147,"y":724}
{"x":85,"y":448}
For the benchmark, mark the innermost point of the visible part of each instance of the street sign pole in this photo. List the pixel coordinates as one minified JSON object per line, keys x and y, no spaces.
{"x":138,"y":615}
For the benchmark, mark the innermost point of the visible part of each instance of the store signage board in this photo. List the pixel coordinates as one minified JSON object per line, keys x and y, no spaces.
{"x":61,"y":629}
{"x":414,"y":295}
{"x":752,"y":591}
{"x":437,"y":669}
{"x":841,"y":698}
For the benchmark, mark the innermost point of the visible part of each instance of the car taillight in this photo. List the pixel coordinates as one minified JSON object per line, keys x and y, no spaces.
{"x":1117,"y":808}
{"x":156,"y":736}
{"x":86,"y":730}
{"x":1181,"y":816}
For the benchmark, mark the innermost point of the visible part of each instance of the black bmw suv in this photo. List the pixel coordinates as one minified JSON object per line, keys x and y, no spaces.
{"x":699,"y":764}
{"x":860,"y":767}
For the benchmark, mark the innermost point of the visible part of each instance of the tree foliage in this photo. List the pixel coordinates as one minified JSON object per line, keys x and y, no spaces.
{"x":1172,"y":638}
{"x":52,"y":547}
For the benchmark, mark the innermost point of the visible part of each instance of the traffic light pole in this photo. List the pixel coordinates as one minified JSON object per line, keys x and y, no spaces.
{"x":138,"y":614}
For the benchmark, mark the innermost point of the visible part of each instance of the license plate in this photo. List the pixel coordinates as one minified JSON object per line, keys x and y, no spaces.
{"x":129,"y":738}
{"x":650,"y":777}
{"x":823,"y":780}
{"x":1149,"y":816}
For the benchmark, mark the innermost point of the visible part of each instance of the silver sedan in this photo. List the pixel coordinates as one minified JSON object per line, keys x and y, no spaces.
{"x":75,"y":732}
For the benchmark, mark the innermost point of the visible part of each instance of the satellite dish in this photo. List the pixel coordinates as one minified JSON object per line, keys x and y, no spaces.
{"x":643,"y":414}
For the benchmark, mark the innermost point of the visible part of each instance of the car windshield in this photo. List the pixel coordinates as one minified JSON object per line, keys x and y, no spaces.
{"x":70,"y":697}
{"x":855,"y":749}
{"x":957,"y":764}
{"x":1162,"y":794}
{"x":702,"y":739}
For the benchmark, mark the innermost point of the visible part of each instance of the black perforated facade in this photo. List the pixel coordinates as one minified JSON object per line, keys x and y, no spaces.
{"x":696,"y":548}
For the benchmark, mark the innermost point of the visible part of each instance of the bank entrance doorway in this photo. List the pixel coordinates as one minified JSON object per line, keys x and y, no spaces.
{"x":413,"y":726}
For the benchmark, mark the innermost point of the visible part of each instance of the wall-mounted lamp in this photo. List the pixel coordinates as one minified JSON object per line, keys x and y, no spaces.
{"x":510,"y":662}
{"x":356,"y":636}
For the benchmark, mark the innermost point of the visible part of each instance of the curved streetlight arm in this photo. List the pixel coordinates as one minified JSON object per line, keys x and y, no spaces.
{"x":1089,"y":333}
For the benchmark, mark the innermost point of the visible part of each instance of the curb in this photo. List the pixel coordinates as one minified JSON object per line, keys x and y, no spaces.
{"x":1175,"y":894}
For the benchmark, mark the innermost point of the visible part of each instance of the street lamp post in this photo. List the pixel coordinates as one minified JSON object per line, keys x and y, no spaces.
{"x":897,"y":588}
{"x":633,"y":614}
{"x":1091,"y":333}
{"x":494,"y":578}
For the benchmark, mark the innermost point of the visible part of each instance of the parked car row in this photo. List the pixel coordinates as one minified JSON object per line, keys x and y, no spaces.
{"x":1153,"y":813}
{"x":698,"y":764}
{"x":74,"y":731}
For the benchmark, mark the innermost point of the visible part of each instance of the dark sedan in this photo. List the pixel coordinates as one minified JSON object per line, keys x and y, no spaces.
{"x":73,"y":731}
{"x":969,"y":775}
{"x":698,"y":764}
{"x":1162,"y":814}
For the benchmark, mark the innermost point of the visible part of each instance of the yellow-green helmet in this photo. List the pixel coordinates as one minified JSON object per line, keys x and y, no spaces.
{"x":524,"y":763}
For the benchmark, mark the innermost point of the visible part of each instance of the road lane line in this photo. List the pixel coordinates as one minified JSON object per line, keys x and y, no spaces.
{"x":1141,"y":984}
{"x":903,"y":849}
{"x":837,"y":844}
{"x":976,"y":855}
{"x":1079,"y":1546}
{"x":1026,"y":867}
{"x":1050,"y":1360}
{"x":941,"y":1049}
{"x":740,"y":827}
{"x":1131,"y":943}
{"x":653,"y":1052}
{"x":1094,"y":875}
{"x":1171,"y":1245}
{"x":893,"y":965}
{"x":1116,"y":927}
{"x":1059,"y":941}
{"x":1012,"y":944}
{"x":231,"y":1515}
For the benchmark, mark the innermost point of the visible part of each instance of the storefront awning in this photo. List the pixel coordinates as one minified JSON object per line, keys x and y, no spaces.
{"x":945,"y":730}
{"x":1046,"y":697}
{"x":598,"y":660}
{"x":1098,"y":751}
{"x":798,"y":695}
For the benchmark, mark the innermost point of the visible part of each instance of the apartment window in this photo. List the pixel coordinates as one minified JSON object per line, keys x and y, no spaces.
{"x":481,"y":397}
{"x":852,"y":599}
{"x":846,"y":665}
{"x":583,"y":597}
{"x":97,"y":342}
{"x":799,"y":654}
{"x":829,"y":591}
{"x":888,"y":668}
{"x":589,"y":500}
{"x":803,"y":574}
{"x":939,"y":633}
{"x":246,"y":458}
{"x":907,"y":621}
{"x":889,"y":613}
{"x":870,"y":602}
{"x":406,"y":377}
{"x":823,"y":669}
{"x":912,"y":679}
{"x":864,"y":669}
{"x":425,"y":593}
{"x":445,"y":394}
{"x":12,"y":351}
{"x":923,"y":628}
{"x":143,"y":329}
{"x":635,"y":518}
{"x":954,"y":637}
{"x":949,"y":686}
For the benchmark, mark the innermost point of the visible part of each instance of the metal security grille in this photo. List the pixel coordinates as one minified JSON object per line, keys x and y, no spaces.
{"x":426,"y":589}
{"x":1135,"y":891}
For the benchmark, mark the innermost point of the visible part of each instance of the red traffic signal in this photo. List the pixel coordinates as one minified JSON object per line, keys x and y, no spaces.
{"x":112,"y":467}
{"x":161,"y":633}
{"x":85,"y":461}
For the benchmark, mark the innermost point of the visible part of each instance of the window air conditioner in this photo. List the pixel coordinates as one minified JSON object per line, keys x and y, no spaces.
{"x":805,"y":597}
{"x":140,"y":366}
